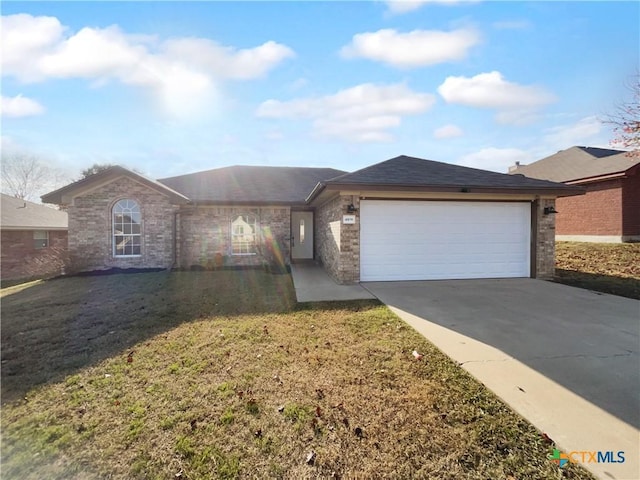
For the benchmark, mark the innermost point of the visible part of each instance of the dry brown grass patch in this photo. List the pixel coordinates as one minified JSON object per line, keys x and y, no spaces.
{"x":252,"y":394}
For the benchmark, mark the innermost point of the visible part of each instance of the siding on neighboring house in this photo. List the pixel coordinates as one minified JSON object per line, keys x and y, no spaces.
{"x":205,"y":233}
{"x":90,"y":221}
{"x":597,"y":212}
{"x":21,"y":260}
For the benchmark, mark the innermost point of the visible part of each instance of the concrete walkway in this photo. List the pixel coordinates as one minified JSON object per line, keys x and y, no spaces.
{"x":313,"y":284}
{"x":566,"y":359}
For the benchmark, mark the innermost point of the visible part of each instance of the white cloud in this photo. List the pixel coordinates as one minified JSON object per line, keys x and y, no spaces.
{"x":495,"y":159}
{"x":582,"y":132}
{"x":404,"y":6}
{"x":93,"y":53}
{"x":491,"y":90}
{"x":364,"y":113}
{"x":227,"y":62}
{"x":25,"y":39}
{"x":182,"y":72}
{"x":413,"y":49}
{"x":447,"y":131}
{"x":516,"y":104}
{"x":19,"y":106}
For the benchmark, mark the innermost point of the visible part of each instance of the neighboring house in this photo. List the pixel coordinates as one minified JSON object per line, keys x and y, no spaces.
{"x":610,"y":209}
{"x":402,"y":219}
{"x":34,"y":239}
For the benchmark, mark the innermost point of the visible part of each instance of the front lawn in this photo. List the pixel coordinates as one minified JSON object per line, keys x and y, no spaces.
{"x":194,"y":375}
{"x":604,"y":267}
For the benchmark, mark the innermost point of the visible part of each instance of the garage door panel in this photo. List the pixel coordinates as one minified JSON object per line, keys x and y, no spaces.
{"x":440,"y":240}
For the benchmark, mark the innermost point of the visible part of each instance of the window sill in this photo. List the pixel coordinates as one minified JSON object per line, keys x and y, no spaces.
{"x":127,"y":256}
{"x":243,"y":254}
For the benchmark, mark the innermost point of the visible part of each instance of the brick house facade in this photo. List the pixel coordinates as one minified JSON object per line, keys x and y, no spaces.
{"x":212,"y":223}
{"x":34,"y":240}
{"x":21,"y":260}
{"x":90,"y":218}
{"x":609,"y":211}
{"x":205,"y":236}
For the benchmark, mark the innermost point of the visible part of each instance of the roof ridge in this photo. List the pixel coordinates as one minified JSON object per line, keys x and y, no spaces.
{"x":227,"y":167}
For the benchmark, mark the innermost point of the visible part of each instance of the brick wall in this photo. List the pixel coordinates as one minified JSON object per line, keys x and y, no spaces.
{"x":21,"y":260}
{"x":327,"y":235}
{"x":205,"y":233}
{"x":545,"y":240}
{"x":338,"y":245}
{"x":631,"y":205}
{"x":90,"y":224}
{"x":598,"y":212}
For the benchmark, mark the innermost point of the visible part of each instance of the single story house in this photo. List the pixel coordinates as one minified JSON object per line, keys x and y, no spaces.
{"x":610,"y":209}
{"x":402,"y":219}
{"x":34,"y":239}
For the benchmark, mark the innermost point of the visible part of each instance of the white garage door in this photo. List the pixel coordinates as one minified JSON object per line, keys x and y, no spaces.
{"x":421,"y":240}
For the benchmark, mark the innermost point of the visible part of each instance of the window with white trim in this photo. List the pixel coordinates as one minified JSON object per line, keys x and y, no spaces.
{"x":40,"y":239}
{"x":244,"y":231}
{"x":127,"y":221}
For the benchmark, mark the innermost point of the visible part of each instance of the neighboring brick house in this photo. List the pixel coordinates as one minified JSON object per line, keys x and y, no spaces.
{"x":34,"y":240}
{"x":405,"y":218}
{"x":610,"y":209}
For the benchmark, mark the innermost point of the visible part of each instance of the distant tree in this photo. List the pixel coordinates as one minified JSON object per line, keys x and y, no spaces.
{"x":96,"y":168}
{"x":26,"y":176}
{"x":626,"y":119}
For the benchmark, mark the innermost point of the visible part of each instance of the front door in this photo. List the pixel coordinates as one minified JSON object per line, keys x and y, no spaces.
{"x":301,"y":235}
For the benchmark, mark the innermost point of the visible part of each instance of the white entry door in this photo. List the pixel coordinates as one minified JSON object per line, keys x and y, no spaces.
{"x":413,"y":240}
{"x":301,"y":235}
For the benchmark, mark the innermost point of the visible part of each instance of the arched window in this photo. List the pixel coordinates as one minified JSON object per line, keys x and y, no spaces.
{"x":244,"y":230}
{"x":126,"y":228}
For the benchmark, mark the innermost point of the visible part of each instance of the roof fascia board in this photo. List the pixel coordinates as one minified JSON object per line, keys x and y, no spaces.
{"x":317,"y":190}
{"x":551,"y":191}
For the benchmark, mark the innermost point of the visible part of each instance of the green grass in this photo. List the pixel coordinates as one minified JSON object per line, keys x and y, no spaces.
{"x":220,"y":376}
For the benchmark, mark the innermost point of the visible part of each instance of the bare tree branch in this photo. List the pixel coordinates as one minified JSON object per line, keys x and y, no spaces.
{"x":626,"y":119}
{"x":25,"y":176}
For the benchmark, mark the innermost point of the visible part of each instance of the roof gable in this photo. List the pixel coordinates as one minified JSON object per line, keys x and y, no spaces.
{"x":250,"y":184}
{"x":20,"y":214}
{"x":64,"y":195}
{"x":578,"y":163}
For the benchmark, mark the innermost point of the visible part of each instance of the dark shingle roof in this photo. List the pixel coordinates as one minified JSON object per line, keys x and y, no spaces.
{"x":250,"y":184}
{"x":599,"y":152}
{"x":411,"y":171}
{"x":22,"y":215}
{"x":577,"y":163}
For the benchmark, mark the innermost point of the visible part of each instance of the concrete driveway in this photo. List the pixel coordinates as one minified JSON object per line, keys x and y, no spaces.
{"x":565,"y":358}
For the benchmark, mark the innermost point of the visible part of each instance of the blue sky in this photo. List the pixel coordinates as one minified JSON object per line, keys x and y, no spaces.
{"x":170,"y":88}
